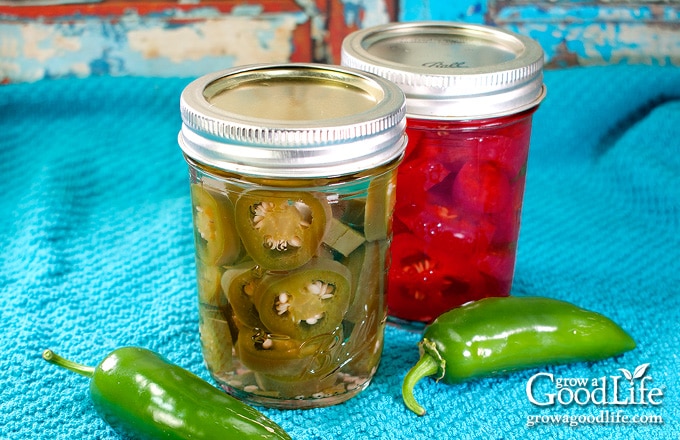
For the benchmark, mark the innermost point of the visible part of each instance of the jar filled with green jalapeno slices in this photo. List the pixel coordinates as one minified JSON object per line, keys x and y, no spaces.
{"x":292,"y":182}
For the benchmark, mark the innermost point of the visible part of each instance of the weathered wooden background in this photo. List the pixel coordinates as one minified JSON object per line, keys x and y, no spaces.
{"x":50,"y":39}
{"x":575,"y":32}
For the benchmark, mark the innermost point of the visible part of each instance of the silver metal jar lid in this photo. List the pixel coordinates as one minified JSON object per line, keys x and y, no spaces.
{"x":292,"y":120}
{"x":452,"y":70}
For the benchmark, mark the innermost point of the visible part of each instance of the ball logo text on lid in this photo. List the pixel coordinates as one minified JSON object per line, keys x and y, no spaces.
{"x":452,"y":70}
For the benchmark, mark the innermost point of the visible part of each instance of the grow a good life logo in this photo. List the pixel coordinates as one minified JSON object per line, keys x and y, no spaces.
{"x":636,"y":389}
{"x":629,"y":389}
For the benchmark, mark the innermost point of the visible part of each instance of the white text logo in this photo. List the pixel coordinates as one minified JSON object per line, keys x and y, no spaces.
{"x":630,"y":388}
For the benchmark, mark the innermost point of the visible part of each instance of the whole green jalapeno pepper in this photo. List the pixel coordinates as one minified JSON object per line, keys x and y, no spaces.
{"x":142,"y":395}
{"x":503,"y":334}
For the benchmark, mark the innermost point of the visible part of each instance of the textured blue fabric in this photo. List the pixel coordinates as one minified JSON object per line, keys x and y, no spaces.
{"x":95,"y":230}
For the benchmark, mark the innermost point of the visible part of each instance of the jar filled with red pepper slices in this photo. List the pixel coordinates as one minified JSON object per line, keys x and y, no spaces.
{"x":471,"y":91}
{"x":292,"y":174}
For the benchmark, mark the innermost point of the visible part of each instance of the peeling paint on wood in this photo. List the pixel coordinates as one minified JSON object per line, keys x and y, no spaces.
{"x":251,"y":40}
{"x":574,"y":32}
{"x":168,"y":38}
{"x":596,"y":32}
{"x":146,"y":45}
{"x":189,"y":38}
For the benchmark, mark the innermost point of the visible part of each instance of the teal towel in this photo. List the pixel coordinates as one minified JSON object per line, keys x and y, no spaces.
{"x":95,"y":228}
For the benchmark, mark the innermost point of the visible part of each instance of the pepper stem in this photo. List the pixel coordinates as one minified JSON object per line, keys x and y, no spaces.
{"x":54,"y":358}
{"x":427,"y":365}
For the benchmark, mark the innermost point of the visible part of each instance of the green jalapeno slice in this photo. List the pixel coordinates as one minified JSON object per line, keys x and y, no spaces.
{"x":239,"y":284}
{"x":380,"y":202}
{"x":208,"y":283}
{"x":367,"y":266}
{"x":216,"y":340}
{"x":366,"y":315}
{"x":217,"y":241}
{"x":281,"y":230}
{"x":307,"y":302}
{"x":315,"y":376}
{"x":283,"y":357}
{"x":287,"y":388}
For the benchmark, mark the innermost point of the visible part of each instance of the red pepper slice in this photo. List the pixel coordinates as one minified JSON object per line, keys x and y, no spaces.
{"x":423,"y":283}
{"x":481,"y":187}
{"x":446,"y":228}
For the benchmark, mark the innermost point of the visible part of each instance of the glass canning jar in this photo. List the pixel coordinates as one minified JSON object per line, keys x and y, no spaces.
{"x":471,"y":91}
{"x":292,"y":177}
